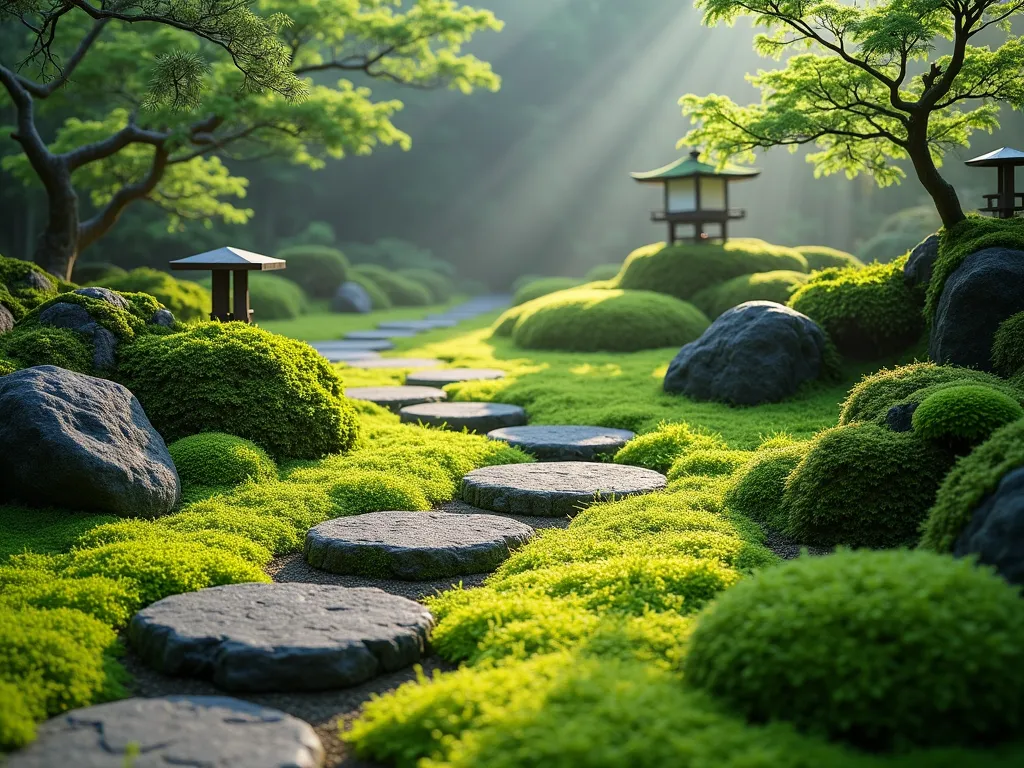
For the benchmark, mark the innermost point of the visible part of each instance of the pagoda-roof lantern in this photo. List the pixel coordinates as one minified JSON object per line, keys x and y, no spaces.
{"x":1004,"y":156}
{"x":230,"y":264}
{"x":691,"y":166}
{"x":229,"y":258}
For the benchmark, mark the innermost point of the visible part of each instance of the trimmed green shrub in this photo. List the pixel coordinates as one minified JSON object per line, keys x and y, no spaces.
{"x":235,"y":378}
{"x":378,"y":298}
{"x":607,"y":320}
{"x":400,"y":290}
{"x":85,"y":272}
{"x":877,"y":649}
{"x":17,"y":725}
{"x":186,"y":299}
{"x":216,"y":459}
{"x":1008,"y":346}
{"x":440,"y":286}
{"x":27,"y":347}
{"x":775,"y":286}
{"x":317,"y":269}
{"x":965,"y":414}
{"x":542,"y":287}
{"x":823,"y":257}
{"x":862,"y":485}
{"x":274,"y":298}
{"x":974,"y":477}
{"x":868,"y":312}
{"x":710,"y":462}
{"x":683,"y":269}
{"x":602,"y":272}
{"x":756,"y":489}
{"x":20,"y":285}
{"x":658,"y":450}
{"x":504,"y":325}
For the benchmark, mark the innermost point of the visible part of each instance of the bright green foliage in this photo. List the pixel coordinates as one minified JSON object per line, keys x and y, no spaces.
{"x":862,"y":485}
{"x":277,"y":535}
{"x":109,"y":600}
{"x":823,"y":257}
{"x":17,"y":726}
{"x":187,"y":300}
{"x":400,"y":290}
{"x":710,"y":462}
{"x":92,"y":271}
{"x":682,"y":270}
{"x":378,"y":297}
{"x":868,"y":312}
{"x":974,"y":477}
{"x":775,"y":286}
{"x":7,"y":366}
{"x":869,"y":648}
{"x":602,"y":272}
{"x":1008,"y":346}
{"x":658,"y":450}
{"x":607,"y":320}
{"x":238,"y":379}
{"x":368,"y":491}
{"x":17,"y":292}
{"x":542,"y":286}
{"x":44,"y":531}
{"x":273,"y":298}
{"x":440,"y":286}
{"x":965,"y":414}
{"x":757,"y":488}
{"x":217,"y":459}
{"x":27,"y":346}
{"x":124,"y":324}
{"x":506,"y":323}
{"x":317,"y":269}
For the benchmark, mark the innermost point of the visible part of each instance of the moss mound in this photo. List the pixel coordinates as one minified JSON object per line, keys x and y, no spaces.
{"x":440,"y":286}
{"x":607,"y":320}
{"x":757,"y":488}
{"x":684,"y":269}
{"x":822,"y":257}
{"x":601,"y":272}
{"x":870,"y":648}
{"x":244,"y":381}
{"x":1008,"y":346}
{"x":126,"y":325}
{"x":868,"y":312}
{"x":775,"y":286}
{"x":25,"y":285}
{"x":317,"y":269}
{"x":658,"y":450}
{"x":862,"y":485}
{"x":507,"y":321}
{"x":28,"y":347}
{"x":218,"y":459}
{"x":965,"y":414}
{"x":187,"y":300}
{"x":274,"y":298}
{"x":542,"y":287}
{"x":378,"y":298}
{"x":91,"y":271}
{"x":709,"y":462}
{"x":400,"y":290}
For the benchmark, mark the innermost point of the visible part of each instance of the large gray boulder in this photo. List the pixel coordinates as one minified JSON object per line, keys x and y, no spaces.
{"x":77,"y":442}
{"x":986,"y":289}
{"x":351,"y":298}
{"x":917,"y":272}
{"x":995,"y":533}
{"x":757,"y":352}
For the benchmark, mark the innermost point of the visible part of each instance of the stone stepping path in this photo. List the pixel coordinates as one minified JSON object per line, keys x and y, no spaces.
{"x":476,"y":417}
{"x":417,"y":325}
{"x":452,"y":376}
{"x":554,"y":488}
{"x":173,"y":730}
{"x":352,"y":345}
{"x":564,"y":443}
{"x":377,"y":335}
{"x":414,"y":546}
{"x":396,"y":398}
{"x":281,"y":637}
{"x":397,"y":362}
{"x":341,"y":356}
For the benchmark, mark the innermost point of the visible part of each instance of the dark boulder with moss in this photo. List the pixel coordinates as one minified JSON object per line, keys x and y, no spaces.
{"x":758,"y":352}
{"x":917,"y":272}
{"x":74,"y":441}
{"x":995,"y":534}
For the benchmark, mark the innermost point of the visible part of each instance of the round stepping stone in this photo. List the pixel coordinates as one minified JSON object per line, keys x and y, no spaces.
{"x":564,"y":443}
{"x":281,"y":637}
{"x":554,"y":489}
{"x":397,"y":362}
{"x":415,"y":546}
{"x":342,"y":356}
{"x":173,"y":730}
{"x":416,"y":325}
{"x":396,"y":398}
{"x":376,"y":335}
{"x":351,"y":345}
{"x":452,"y":376}
{"x":476,"y":417}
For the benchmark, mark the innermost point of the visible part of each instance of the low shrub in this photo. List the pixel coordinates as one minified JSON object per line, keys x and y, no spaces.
{"x":775,"y":286}
{"x":440,"y":286}
{"x":187,"y":300}
{"x":869,"y":648}
{"x":85,"y":272}
{"x":607,"y":320}
{"x":602,"y":272}
{"x":710,"y":462}
{"x":27,"y":347}
{"x":822,"y":257}
{"x":505,"y":324}
{"x":658,"y":450}
{"x":401,"y":291}
{"x":274,"y":298}
{"x":965,"y":414}
{"x":317,"y":269}
{"x":1008,"y":346}
{"x":756,"y":489}
{"x":542,"y":287}
{"x":378,"y":298}
{"x":868,"y":313}
{"x":235,"y":378}
{"x":218,"y":459}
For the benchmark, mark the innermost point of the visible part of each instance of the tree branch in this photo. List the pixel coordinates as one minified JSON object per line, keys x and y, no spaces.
{"x":100,"y":150}
{"x":42,"y":91}
{"x":26,"y":133}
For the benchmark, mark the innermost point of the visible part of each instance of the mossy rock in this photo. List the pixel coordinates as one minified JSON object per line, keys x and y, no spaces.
{"x":775,"y":286}
{"x":822,"y":257}
{"x":125,"y":324}
{"x":543,"y":286}
{"x":187,"y":300}
{"x":218,"y":459}
{"x":24,"y":285}
{"x":317,"y":269}
{"x":400,"y":290}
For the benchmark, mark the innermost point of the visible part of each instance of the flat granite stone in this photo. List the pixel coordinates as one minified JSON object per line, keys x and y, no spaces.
{"x":281,"y":637}
{"x":416,"y":325}
{"x":414,"y":546}
{"x":476,"y":417}
{"x":349,"y":356}
{"x":396,"y":398}
{"x":397,"y":362}
{"x":213,"y":731}
{"x":553,"y":489}
{"x":452,"y":376}
{"x":564,"y":443}
{"x":376,"y":335}
{"x":351,"y":345}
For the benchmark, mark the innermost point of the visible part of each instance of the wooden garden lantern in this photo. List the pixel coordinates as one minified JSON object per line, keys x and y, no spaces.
{"x":696,"y":194}
{"x":1002,"y":204}
{"x":234,"y":261}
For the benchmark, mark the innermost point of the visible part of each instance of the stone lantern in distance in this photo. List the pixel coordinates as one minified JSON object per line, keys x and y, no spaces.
{"x":224,"y":262}
{"x":696,"y":195}
{"x":1002,"y":204}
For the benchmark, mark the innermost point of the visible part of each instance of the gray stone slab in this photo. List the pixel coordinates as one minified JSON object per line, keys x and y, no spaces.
{"x":398,"y":362}
{"x":352,"y":345}
{"x":453,"y":375}
{"x":281,"y":637}
{"x":416,"y":325}
{"x":554,"y":489}
{"x":414,"y":546}
{"x":348,"y":356}
{"x":377,"y":335}
{"x":476,"y":417}
{"x":396,"y":398}
{"x":564,"y":443}
{"x":214,"y":731}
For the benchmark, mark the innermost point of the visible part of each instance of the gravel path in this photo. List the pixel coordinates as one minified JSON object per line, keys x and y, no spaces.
{"x":788,"y":549}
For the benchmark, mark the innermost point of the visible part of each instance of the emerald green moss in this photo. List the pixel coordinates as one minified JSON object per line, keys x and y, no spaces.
{"x":1008,"y":346}
{"x":21,"y":295}
{"x":506,"y":323}
{"x":967,"y":413}
{"x":542,"y":286}
{"x":823,"y":257}
{"x":317,"y":269}
{"x":361,"y":491}
{"x":217,"y":459}
{"x":187,"y":300}
{"x":658,"y":450}
{"x":709,"y":462}
{"x":105,"y":599}
{"x":602,"y":272}
{"x":400,"y":290}
{"x":126,"y":325}
{"x":26,"y":347}
{"x":378,"y":298}
{"x":756,"y":489}
{"x":274,"y":298}
{"x":440,"y":286}
{"x":869,"y":648}
{"x":775,"y":286}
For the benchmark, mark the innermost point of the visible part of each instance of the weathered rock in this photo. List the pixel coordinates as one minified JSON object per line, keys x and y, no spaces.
{"x":396,"y":398}
{"x":39,"y":281}
{"x":281,"y":637}
{"x":75,"y":317}
{"x":996,"y":530}
{"x":917,"y":272}
{"x":415,"y":546}
{"x":564,"y":443}
{"x":104,"y":347}
{"x":214,"y":731}
{"x":351,"y":298}
{"x":757,"y":352}
{"x":162,"y":317}
{"x":986,"y":289}
{"x":105,"y":294}
{"x":73,"y":441}
{"x":554,"y":489}
{"x":6,"y":319}
{"x":476,"y":417}
{"x":64,"y":314}
{"x":452,"y":376}
{"x":899,"y":418}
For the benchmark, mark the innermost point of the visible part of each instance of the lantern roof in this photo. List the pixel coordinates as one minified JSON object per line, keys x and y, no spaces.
{"x":691,"y":166}
{"x":997,"y":157}
{"x":229,"y":258}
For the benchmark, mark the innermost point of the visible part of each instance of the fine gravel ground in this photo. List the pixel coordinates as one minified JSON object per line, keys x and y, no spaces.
{"x":788,"y":549}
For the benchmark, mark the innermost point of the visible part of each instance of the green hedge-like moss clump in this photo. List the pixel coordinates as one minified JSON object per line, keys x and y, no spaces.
{"x":822,"y":257}
{"x":217,"y":459}
{"x":602,"y":272}
{"x":658,"y":450}
{"x":186,"y":300}
{"x":440,"y":286}
{"x":1008,"y":346}
{"x":775,"y":286}
{"x":877,"y":649}
{"x":27,"y":347}
{"x":317,"y":269}
{"x":274,"y":298}
{"x":26,"y":285}
{"x":378,"y":298}
{"x":244,"y":381}
{"x":964,"y":414}
{"x":607,"y":320}
{"x":543,"y":286}
{"x":710,"y":462}
{"x":757,"y":488}
{"x":400,"y":290}
{"x":867,"y":312}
